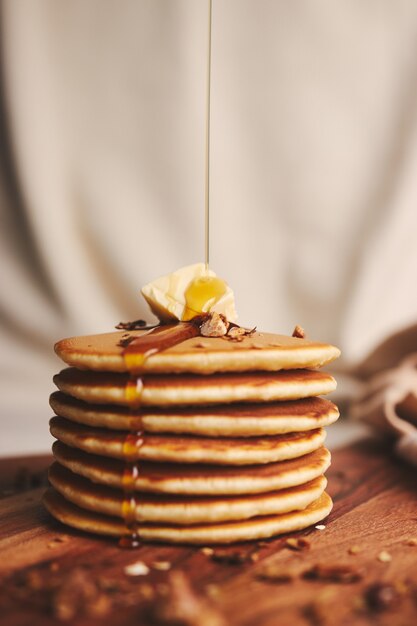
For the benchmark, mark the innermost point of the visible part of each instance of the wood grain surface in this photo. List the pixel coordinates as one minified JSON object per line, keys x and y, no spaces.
{"x":361,"y":569}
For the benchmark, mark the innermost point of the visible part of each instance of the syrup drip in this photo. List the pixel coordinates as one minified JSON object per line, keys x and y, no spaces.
{"x":135,"y":355}
{"x":131,"y":447}
{"x":133,"y":391}
{"x":158,"y":339}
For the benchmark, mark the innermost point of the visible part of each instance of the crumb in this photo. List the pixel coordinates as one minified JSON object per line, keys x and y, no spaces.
{"x":298,"y":543}
{"x":125,"y":341}
{"x":235,"y":557}
{"x":207,"y":551}
{"x":214,"y":325}
{"x":384,"y":557}
{"x":136,"y":325}
{"x":354,"y":550}
{"x":201,"y":344}
{"x":320,"y":527}
{"x":333,"y":573}
{"x":237,"y":333}
{"x":274,"y":573}
{"x":299,"y":332}
{"x":137,"y":569}
{"x":162,"y":566}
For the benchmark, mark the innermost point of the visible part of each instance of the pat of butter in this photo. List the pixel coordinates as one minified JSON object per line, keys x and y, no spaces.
{"x":188,"y":292}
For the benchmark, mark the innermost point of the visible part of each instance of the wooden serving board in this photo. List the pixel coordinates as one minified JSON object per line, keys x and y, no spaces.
{"x":365,"y":560}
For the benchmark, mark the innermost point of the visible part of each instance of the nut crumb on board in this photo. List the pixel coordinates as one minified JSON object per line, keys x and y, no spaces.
{"x":384,"y":557}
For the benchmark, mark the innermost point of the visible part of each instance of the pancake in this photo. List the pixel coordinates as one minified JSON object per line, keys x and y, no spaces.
{"x":225,"y":532}
{"x":168,"y":436}
{"x":196,"y":479}
{"x":183,"y":510}
{"x":99,"y":387}
{"x":222,"y":421}
{"x":199,"y":355}
{"x":186,"y":448}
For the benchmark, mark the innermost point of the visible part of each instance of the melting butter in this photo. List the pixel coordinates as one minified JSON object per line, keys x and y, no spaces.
{"x":202,"y":294}
{"x":187,"y":292}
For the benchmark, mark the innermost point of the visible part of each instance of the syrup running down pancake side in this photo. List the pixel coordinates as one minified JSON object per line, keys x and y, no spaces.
{"x":135,"y":354}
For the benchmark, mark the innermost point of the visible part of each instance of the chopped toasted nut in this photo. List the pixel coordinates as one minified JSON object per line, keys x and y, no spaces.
{"x":125,"y":341}
{"x":162,"y":566}
{"x":234,"y":557}
{"x":136,"y":325}
{"x":137,"y":569}
{"x":333,"y":573}
{"x":297,"y":543}
{"x":355,"y":550}
{"x":214,"y":325}
{"x":207,"y":551}
{"x":299,"y":332}
{"x":237,"y":333}
{"x":384,"y":557}
{"x":274,"y":573}
{"x":320,"y":527}
{"x":229,"y":558}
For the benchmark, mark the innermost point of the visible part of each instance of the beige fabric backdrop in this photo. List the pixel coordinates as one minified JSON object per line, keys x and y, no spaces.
{"x":314,"y":162}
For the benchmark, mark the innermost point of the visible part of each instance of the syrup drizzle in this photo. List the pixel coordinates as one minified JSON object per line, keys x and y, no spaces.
{"x":135,"y":355}
{"x":158,"y":339}
{"x":131,"y":447}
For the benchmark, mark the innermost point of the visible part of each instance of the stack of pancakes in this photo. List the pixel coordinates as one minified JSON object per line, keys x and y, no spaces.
{"x":215,"y":441}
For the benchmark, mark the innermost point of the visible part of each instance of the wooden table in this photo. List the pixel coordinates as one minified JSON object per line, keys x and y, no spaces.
{"x":367,"y":558}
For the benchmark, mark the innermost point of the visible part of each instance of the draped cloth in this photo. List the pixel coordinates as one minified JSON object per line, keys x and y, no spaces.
{"x":387,"y":399}
{"x":102,"y":139}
